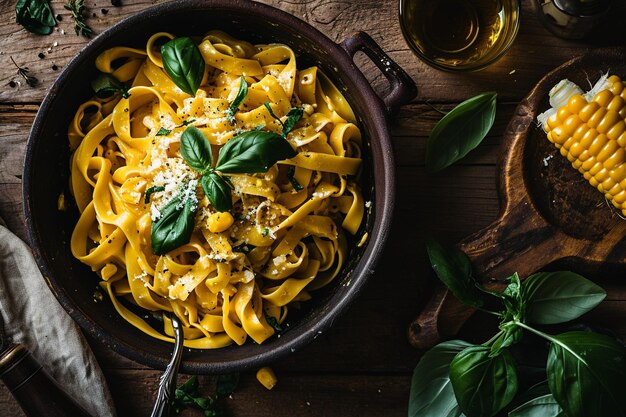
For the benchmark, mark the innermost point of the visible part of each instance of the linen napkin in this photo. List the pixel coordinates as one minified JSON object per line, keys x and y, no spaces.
{"x":33,"y":317}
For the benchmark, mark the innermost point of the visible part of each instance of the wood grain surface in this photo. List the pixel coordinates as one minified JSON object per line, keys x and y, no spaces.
{"x":363,"y":365}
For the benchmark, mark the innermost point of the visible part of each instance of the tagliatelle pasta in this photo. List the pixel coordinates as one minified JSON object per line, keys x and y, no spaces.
{"x":241,"y":271}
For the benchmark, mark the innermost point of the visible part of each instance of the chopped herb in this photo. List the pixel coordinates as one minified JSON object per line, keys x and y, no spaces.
{"x":265,"y":232}
{"x":187,"y":395}
{"x":151,"y":190}
{"x":186,"y":122}
{"x":245,"y":248}
{"x":162,"y":132}
{"x":77,"y":7}
{"x":105,"y":85}
{"x":293,"y":116}
{"x":274,"y":323}
{"x":241,"y":95}
{"x":293,"y":180}
{"x":23,"y":72}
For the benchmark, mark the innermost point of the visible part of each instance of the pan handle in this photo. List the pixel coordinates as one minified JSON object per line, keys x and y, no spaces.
{"x":403,"y":88}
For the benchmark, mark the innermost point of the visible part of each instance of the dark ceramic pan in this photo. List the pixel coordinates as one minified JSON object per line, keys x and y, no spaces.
{"x":47,"y":160}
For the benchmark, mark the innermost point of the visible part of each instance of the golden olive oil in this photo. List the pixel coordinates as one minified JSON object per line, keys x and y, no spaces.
{"x":463,"y":34}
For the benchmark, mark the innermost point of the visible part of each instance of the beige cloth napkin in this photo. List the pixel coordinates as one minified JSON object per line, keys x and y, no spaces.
{"x":33,"y":317}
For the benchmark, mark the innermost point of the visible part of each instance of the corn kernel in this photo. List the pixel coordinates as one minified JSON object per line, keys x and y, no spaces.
{"x":266,"y":377}
{"x":219,"y":222}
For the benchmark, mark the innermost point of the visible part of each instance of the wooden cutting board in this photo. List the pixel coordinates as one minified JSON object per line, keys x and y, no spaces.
{"x":549,"y":213}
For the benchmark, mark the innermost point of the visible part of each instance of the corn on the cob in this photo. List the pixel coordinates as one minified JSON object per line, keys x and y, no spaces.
{"x":590,"y":130}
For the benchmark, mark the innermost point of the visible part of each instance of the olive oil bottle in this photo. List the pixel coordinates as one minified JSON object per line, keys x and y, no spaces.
{"x":459,"y":34}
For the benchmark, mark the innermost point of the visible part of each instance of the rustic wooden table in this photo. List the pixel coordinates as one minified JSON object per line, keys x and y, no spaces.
{"x":362,"y":367}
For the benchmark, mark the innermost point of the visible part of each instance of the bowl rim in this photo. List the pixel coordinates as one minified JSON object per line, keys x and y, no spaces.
{"x":385,"y":198}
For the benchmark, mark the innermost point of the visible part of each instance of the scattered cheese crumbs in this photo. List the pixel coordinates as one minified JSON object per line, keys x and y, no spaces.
{"x":279,"y":260}
{"x":546,"y":159}
{"x":61,"y":203}
{"x":512,"y":72}
{"x":368,"y":204}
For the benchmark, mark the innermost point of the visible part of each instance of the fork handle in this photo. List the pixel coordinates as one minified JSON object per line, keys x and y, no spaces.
{"x":35,"y":391}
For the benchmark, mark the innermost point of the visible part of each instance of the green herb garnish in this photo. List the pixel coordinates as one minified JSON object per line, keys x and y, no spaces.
{"x":163,"y":132}
{"x":153,"y":189}
{"x":23,"y":72}
{"x":584,"y":374}
{"x":265,"y":232}
{"x":105,"y":85}
{"x":175,"y":224}
{"x":271,"y":320}
{"x":293,"y":116}
{"x":292,"y":179}
{"x":35,"y":15}
{"x":249,"y":152}
{"x":187,"y":395}
{"x":460,"y":131}
{"x":183,"y":63}
{"x":76,"y":7}
{"x":241,"y":95}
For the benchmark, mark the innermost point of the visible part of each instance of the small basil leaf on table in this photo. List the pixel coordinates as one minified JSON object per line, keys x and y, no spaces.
{"x":460,"y":131}
{"x":241,"y":95}
{"x":431,"y":390}
{"x":587,"y":374}
{"x":35,"y":15}
{"x":183,"y":63}
{"x":483,"y":384}
{"x":454,"y":269}
{"x":175,"y":225}
{"x":105,"y":85}
{"x":558,"y":297}
{"x":226,"y":385}
{"x":217,"y":191}
{"x":196,"y":149}
{"x":253,"y":152}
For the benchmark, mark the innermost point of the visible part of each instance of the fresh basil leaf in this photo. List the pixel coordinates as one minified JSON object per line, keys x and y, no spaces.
{"x":431,"y":391}
{"x":558,"y":297}
{"x":217,"y":191}
{"x":105,"y":85}
{"x":183,"y":63}
{"x":252,"y":152}
{"x":542,"y":406}
{"x":586,"y":374}
{"x":454,"y":269}
{"x":153,"y":189}
{"x":35,"y":15}
{"x":483,"y":384}
{"x":226,"y":385}
{"x":292,"y":179}
{"x":175,"y":225}
{"x":188,"y":387}
{"x":241,"y":95}
{"x":460,"y":131}
{"x":163,"y":132}
{"x":196,"y":149}
{"x":293,"y":116}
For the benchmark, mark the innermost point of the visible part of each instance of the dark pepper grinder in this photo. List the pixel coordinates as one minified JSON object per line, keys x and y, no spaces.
{"x":571,"y":19}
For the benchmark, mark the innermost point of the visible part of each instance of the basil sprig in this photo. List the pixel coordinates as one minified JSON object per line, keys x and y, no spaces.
{"x":460,"y":131}
{"x":241,"y":96}
{"x":35,"y":15}
{"x":584,"y":374}
{"x":105,"y":85}
{"x":183,"y":63}
{"x":188,"y":395}
{"x":249,"y":152}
